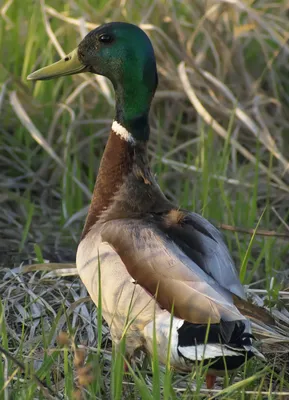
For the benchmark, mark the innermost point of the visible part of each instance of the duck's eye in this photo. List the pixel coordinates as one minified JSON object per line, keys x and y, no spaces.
{"x":105,"y":38}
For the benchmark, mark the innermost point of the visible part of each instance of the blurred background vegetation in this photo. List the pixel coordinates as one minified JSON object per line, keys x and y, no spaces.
{"x":219,"y":120}
{"x":219,"y":128}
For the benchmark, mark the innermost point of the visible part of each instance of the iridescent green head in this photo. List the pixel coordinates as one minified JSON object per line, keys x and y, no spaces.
{"x":124,"y":54}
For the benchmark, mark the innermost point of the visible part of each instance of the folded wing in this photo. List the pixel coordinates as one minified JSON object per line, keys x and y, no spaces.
{"x":204,"y":244}
{"x":156,"y":260}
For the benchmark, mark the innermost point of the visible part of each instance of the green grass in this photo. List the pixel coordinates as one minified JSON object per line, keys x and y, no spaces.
{"x":219,"y":146}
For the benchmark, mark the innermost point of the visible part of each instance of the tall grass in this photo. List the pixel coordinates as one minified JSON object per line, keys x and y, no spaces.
{"x":219,"y":140}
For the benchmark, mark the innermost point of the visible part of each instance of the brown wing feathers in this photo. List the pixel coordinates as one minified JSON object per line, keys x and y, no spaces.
{"x":179,"y":281}
{"x":160,"y":267}
{"x":253,"y":312}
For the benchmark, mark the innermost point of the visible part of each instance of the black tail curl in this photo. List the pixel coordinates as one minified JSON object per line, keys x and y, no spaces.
{"x":234,"y":335}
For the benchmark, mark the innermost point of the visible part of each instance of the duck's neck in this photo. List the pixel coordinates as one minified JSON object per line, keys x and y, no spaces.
{"x":133,"y":95}
{"x":130,"y":131}
{"x":116,"y":163}
{"x":132,"y":114}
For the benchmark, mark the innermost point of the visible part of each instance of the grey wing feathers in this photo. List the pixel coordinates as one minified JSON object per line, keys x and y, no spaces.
{"x":204,"y":244}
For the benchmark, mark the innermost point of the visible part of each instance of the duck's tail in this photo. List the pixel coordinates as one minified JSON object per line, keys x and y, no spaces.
{"x":269,"y":328}
{"x":226,"y":345}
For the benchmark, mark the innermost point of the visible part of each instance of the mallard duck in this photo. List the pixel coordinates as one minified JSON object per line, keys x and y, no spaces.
{"x":161,"y":267}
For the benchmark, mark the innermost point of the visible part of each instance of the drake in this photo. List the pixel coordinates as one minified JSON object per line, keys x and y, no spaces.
{"x":155,"y":259}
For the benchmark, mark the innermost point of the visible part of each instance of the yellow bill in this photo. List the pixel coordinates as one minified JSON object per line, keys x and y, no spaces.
{"x":69,"y":65}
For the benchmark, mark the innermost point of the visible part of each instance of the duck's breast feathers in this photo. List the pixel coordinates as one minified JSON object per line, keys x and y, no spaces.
{"x":160,"y":265}
{"x":103,"y":273}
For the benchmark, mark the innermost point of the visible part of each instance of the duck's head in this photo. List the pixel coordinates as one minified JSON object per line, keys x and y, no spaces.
{"x":123,"y":53}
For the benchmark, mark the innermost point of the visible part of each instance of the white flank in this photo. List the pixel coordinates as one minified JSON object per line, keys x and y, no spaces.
{"x":163,"y":328}
{"x":122,"y":132}
{"x":206,"y":351}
